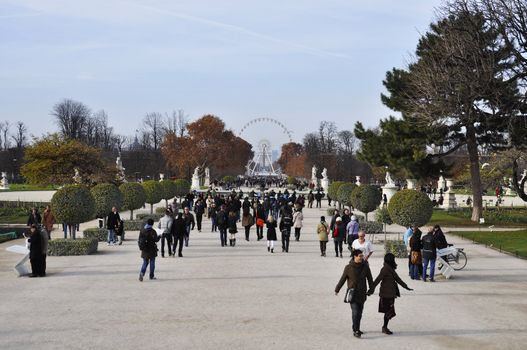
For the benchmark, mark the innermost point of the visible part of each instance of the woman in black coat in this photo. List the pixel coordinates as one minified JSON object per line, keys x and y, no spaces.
{"x":388,"y":279}
{"x":271,"y":233}
{"x":35,"y":251}
{"x":178,"y":230}
{"x":233,"y":229}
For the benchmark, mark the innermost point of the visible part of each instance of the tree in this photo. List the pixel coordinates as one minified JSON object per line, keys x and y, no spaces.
{"x":208,"y":144}
{"x":458,"y":88}
{"x":408,"y":207}
{"x":52,"y":160}
{"x":333,"y":189}
{"x":366,"y":198}
{"x":20,"y":136}
{"x":154,"y":193}
{"x":154,"y":129}
{"x":71,"y":117}
{"x":293,"y":159}
{"x":176,"y":123}
{"x":106,"y":196}
{"x":182,"y":187}
{"x":134,"y":196}
{"x":72,"y":205}
{"x":169,"y":189}
{"x":344,"y":193}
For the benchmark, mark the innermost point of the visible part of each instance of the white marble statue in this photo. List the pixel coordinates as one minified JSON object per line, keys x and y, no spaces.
{"x":314,"y":172}
{"x":324,"y":173}
{"x":325,"y":180}
{"x":389,"y":180}
{"x":195,"y":179}
{"x":77,"y":177}
{"x":357,"y":180}
{"x":121,"y":177}
{"x":207,"y":177}
{"x":3,"y":182}
{"x":161,"y":177}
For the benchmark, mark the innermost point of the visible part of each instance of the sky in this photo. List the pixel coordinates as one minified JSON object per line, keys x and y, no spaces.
{"x":296,"y":61}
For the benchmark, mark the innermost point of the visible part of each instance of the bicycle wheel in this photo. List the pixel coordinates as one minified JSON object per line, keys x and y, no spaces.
{"x":459,"y":262}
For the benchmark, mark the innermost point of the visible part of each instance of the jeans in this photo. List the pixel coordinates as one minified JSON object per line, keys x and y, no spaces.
{"x":247,"y":232}
{"x":223,"y":236}
{"x":323,"y":247}
{"x":178,"y":240}
{"x":297,"y":233}
{"x":259,"y":232}
{"x":152,"y":262}
{"x":414,"y":271}
{"x":285,"y":240}
{"x":432,"y":263}
{"x":214,"y":226}
{"x":111,"y":236}
{"x":356,"y":315}
{"x":199,"y":219}
{"x":338,"y":247}
{"x":168,"y":238}
{"x":187,"y":235}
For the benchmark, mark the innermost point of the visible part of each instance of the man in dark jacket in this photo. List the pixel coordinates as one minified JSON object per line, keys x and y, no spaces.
{"x":429,"y":254}
{"x":148,"y":246}
{"x":189,"y":222}
{"x":356,"y":273}
{"x":178,"y":230}
{"x":35,"y":251}
{"x":285,"y":228}
{"x":112,"y":224}
{"x":222,"y":221}
{"x":199,"y":210}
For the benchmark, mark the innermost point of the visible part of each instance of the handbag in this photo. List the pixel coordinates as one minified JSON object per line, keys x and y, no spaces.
{"x":416,"y":258}
{"x":349,"y":295}
{"x":259,"y":222}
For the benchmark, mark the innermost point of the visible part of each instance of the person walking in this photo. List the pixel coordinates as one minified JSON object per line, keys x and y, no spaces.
{"x":189,"y":223}
{"x":212,"y":214}
{"x":352,"y":231}
{"x":35,"y":250}
{"x":429,"y":255}
{"x":233,"y":219}
{"x":147,"y":241}
{"x":298,"y":218}
{"x":259,"y":218}
{"x":322,"y":231}
{"x":285,"y":230}
{"x":364,"y":245}
{"x":388,"y":279}
{"x":247,"y":222}
{"x":178,"y":231}
{"x":222,"y":220}
{"x":199,"y":210}
{"x":339,"y":233}
{"x":112,"y":224}
{"x":416,"y":258}
{"x":34,"y":218}
{"x":356,"y":273}
{"x":48,"y":220}
{"x":165,"y":225}
{"x":271,"y":233}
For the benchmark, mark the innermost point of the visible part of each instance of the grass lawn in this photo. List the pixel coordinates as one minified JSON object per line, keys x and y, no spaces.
{"x":443,"y":218}
{"x":28,"y":187}
{"x":514,"y":242}
{"x":449,"y":219}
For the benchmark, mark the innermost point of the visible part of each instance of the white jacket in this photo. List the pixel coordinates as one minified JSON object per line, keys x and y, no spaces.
{"x":298,"y":217}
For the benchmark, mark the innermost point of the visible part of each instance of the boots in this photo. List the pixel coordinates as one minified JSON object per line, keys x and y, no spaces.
{"x":385,"y":330}
{"x":234,"y":242}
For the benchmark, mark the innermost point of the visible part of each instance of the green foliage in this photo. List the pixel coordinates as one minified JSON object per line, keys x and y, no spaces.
{"x":106,"y":196}
{"x":153,"y":191}
{"x":397,"y":248}
{"x":145,"y":217}
{"x":383,"y":216}
{"x":514,"y":242}
{"x":334,"y":188}
{"x":182,"y":187}
{"x":407,"y":207}
{"x":8,"y":236}
{"x":168,"y":188}
{"x":366,"y":198}
{"x":330,"y":211}
{"x":52,"y":160}
{"x":134,"y":196}
{"x":344,"y":193}
{"x":101,"y":234}
{"x":228,"y":179}
{"x":371,"y":227}
{"x":73,"y":204}
{"x":65,"y":247}
{"x":291,"y":180}
{"x":133,"y":225}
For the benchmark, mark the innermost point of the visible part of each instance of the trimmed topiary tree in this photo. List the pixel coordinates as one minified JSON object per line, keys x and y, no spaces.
{"x":134,"y":196}
{"x":366,"y":198}
{"x":106,"y":196}
{"x":334,"y":188}
{"x":182,"y":188}
{"x":383,"y":216}
{"x":409,"y":207}
{"x":344,"y":193}
{"x":72,"y":205}
{"x":169,"y":189}
{"x":154,"y":193}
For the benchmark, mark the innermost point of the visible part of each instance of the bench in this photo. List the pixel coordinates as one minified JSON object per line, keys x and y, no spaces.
{"x":446,"y":270}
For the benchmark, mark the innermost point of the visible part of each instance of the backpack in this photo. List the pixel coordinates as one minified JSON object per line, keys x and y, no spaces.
{"x":287,"y":220}
{"x":141,"y":242}
{"x":220,"y":219}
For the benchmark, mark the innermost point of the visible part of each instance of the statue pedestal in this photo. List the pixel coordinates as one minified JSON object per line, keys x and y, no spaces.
{"x":206,"y":183}
{"x":449,"y":200}
{"x":325,"y":185}
{"x":411,"y":183}
{"x":389,"y":191}
{"x":195,"y":183}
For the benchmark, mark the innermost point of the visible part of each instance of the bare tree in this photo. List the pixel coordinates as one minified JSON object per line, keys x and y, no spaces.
{"x":177,"y":123}
{"x":347,"y":142}
{"x":154,"y":128}
{"x":20,"y":136}
{"x":71,"y":117}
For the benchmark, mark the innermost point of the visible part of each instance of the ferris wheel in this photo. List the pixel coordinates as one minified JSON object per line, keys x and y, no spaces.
{"x":266,"y":120}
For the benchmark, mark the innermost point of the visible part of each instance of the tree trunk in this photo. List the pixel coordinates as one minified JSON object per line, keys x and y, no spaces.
{"x":151,"y":209}
{"x":518,"y":184}
{"x":473,"y":155}
{"x":131,"y":214}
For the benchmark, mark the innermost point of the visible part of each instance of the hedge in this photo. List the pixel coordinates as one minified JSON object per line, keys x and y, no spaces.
{"x":397,"y":248}
{"x":65,"y":247}
{"x":366,"y":198}
{"x":154,"y":193}
{"x":371,"y":227}
{"x":133,"y":225}
{"x":334,"y":188}
{"x":106,"y":196}
{"x":145,"y":217}
{"x":101,"y":234}
{"x":182,"y":187}
{"x":134,"y":196}
{"x":73,"y":204}
{"x":169,"y":189}
{"x":409,"y":207}
{"x":344,"y":193}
